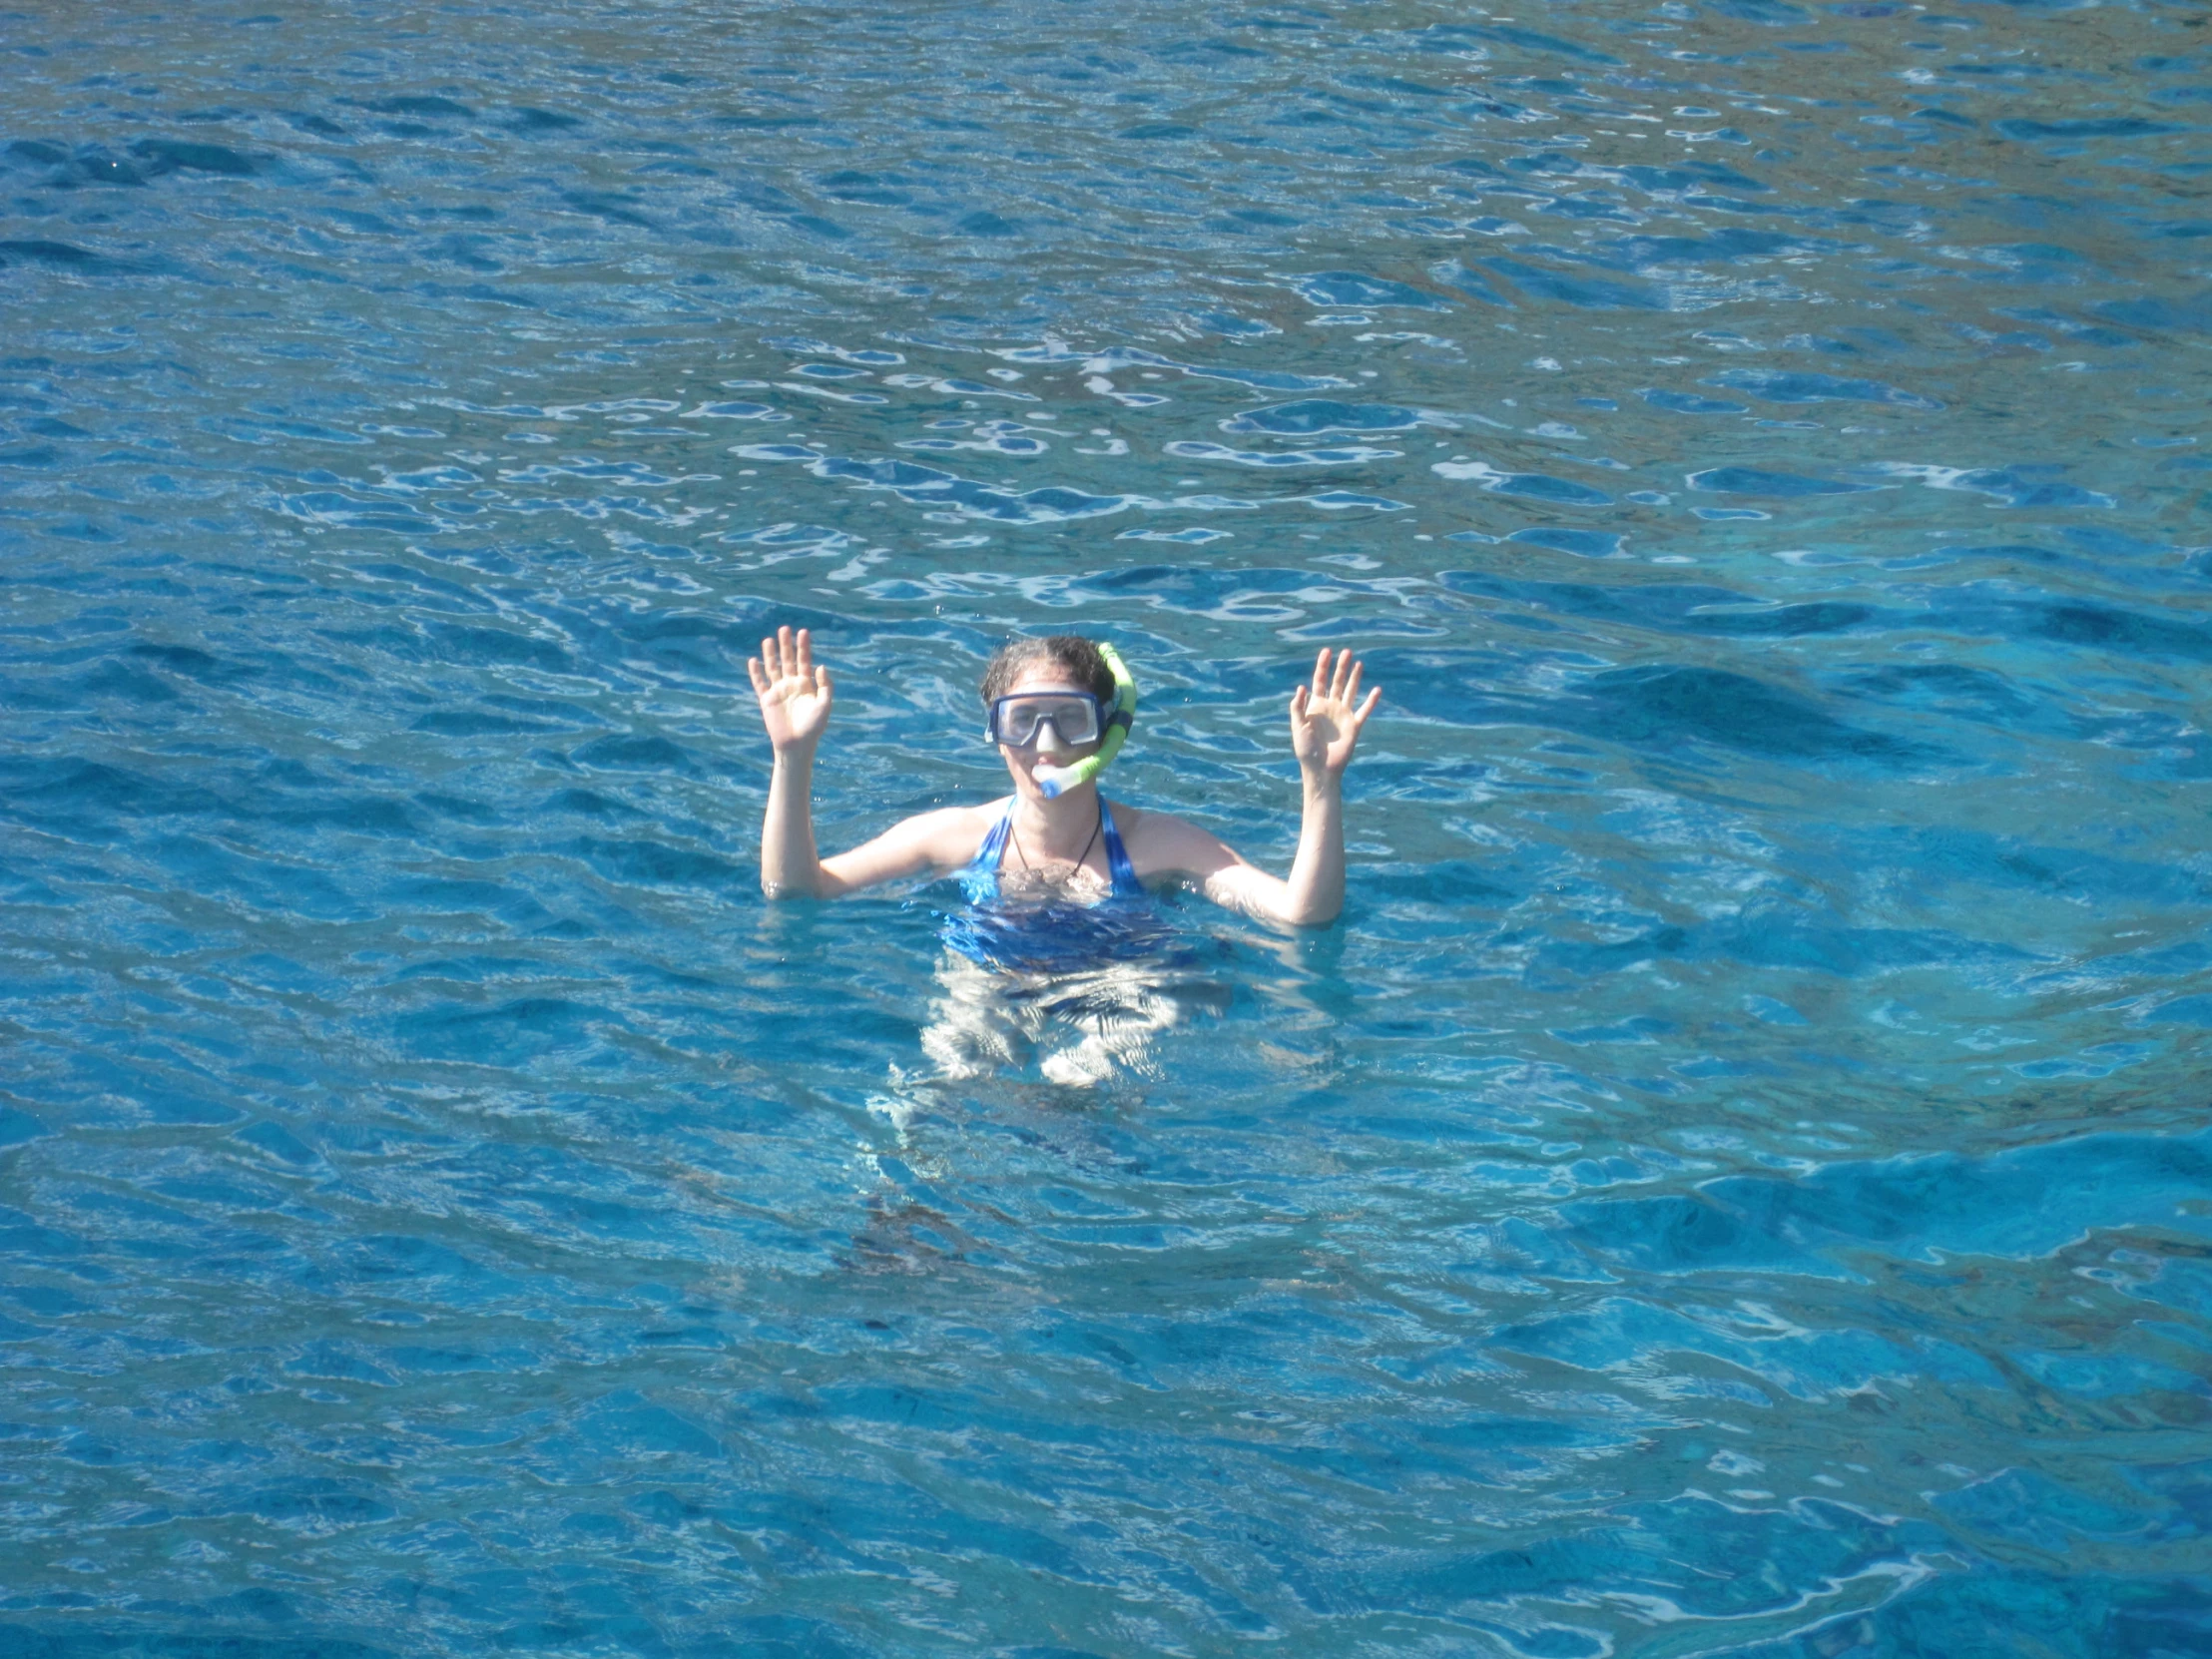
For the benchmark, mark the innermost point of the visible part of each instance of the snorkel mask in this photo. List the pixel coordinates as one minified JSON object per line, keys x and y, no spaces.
{"x":1057,"y":781}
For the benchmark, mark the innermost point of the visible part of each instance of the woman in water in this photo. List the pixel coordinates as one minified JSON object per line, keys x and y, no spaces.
{"x":1056,"y":933}
{"x":1052,"y":704}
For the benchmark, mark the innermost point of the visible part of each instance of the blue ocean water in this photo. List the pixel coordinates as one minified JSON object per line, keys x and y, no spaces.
{"x":1738,"y":1178}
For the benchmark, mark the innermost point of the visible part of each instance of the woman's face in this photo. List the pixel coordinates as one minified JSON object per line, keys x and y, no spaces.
{"x":1022,"y":764}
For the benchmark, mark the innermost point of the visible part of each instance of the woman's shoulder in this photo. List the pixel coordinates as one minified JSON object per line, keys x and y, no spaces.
{"x":1160,"y":841}
{"x":1146,"y":822}
{"x":952,"y":833}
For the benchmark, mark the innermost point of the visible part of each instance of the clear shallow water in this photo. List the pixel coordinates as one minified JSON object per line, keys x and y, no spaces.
{"x":1735,"y":1182}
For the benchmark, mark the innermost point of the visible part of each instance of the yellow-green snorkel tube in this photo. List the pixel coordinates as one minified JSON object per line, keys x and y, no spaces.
{"x":1056,"y":780}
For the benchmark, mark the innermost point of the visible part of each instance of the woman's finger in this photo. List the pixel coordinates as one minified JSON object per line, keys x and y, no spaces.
{"x":759,"y":675}
{"x":1320,"y":672}
{"x":822,"y":683}
{"x":1298,"y":706}
{"x":1344,"y":666}
{"x":769,"y":663}
{"x":805,"y":653}
{"x":1360,"y":715}
{"x":1348,"y":685}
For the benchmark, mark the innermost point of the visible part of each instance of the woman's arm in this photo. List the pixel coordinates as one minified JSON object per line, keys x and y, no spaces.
{"x":1325,"y":718}
{"x":795,"y":706}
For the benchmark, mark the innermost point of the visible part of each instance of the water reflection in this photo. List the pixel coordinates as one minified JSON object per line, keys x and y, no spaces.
{"x":1077,"y":1028}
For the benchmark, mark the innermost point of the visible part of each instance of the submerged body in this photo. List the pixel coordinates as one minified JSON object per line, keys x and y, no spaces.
{"x":1032,"y":961}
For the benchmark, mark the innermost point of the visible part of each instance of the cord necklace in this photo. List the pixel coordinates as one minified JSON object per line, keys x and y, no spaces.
{"x":1014,"y":836}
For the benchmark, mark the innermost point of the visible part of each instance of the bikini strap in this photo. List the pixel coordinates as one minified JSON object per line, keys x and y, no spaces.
{"x":1118,"y":866}
{"x":980,"y":876}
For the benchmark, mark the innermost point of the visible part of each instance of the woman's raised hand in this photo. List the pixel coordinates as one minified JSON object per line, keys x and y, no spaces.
{"x":1327,"y":715}
{"x":794,"y":694}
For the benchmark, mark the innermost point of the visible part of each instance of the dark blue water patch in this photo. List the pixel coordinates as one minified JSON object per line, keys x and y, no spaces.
{"x":529,"y":119}
{"x":2105,"y":127}
{"x":2014,"y":486}
{"x":1772,"y":14}
{"x":1664,"y":711}
{"x":1455,"y":882}
{"x":33,"y":1640}
{"x":86,"y":164}
{"x":1958,"y":692}
{"x":1751,"y":481}
{"x":60,"y":790}
{"x":1731,"y":244}
{"x":1773,"y":937}
{"x":409,"y":1266}
{"x":469,"y":971}
{"x":1693,"y":1553}
{"x":1798,"y":386}
{"x":1672,"y":607}
{"x":1534,"y":486}
{"x":455,"y":643}
{"x":1685,"y":1233}
{"x":1349,"y":288}
{"x":631,"y":1426}
{"x":424,"y":105}
{"x":2159,"y":315}
{"x":1992,"y":1612}
{"x":110,"y":680}
{"x":279,"y":1143}
{"x":1683,"y":402}
{"x":2017,"y":1205}
{"x":623,"y":752}
{"x":477,"y":723}
{"x":1934,"y":856}
{"x":616,"y":208}
{"x":2110,"y":627}
{"x":929,"y":486}
{"x":17,"y":1127}
{"x":2015,"y":552}
{"x":1312,"y":415}
{"x":512,"y":1033}
{"x":1532,"y":40}
{"x":1660,"y":708}
{"x":1236,"y":327}
{"x":163,"y":156}
{"x":66,"y":255}
{"x":636,"y":861}
{"x":1582,"y":293}
{"x":1583,"y":544}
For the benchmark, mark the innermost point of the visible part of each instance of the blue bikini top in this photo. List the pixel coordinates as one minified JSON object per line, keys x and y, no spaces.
{"x":1053,"y":935}
{"x":980,"y":878}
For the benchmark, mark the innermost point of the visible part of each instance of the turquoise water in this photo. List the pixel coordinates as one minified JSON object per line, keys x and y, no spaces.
{"x":1736,"y":1181}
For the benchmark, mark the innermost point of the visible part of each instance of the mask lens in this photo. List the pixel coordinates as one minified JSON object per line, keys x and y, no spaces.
{"x":1018,"y":720}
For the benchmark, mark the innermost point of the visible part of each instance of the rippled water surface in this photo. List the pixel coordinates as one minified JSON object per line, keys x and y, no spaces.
{"x":1735,"y":1181}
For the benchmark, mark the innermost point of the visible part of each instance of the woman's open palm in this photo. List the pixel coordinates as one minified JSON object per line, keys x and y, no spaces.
{"x":794,"y":692}
{"x":1326,"y":716}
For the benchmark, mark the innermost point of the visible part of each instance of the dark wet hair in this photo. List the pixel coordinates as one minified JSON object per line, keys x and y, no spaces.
{"x":1077,"y":655}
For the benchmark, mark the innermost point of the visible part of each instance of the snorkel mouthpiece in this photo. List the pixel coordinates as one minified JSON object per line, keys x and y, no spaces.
{"x":1057,"y":781}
